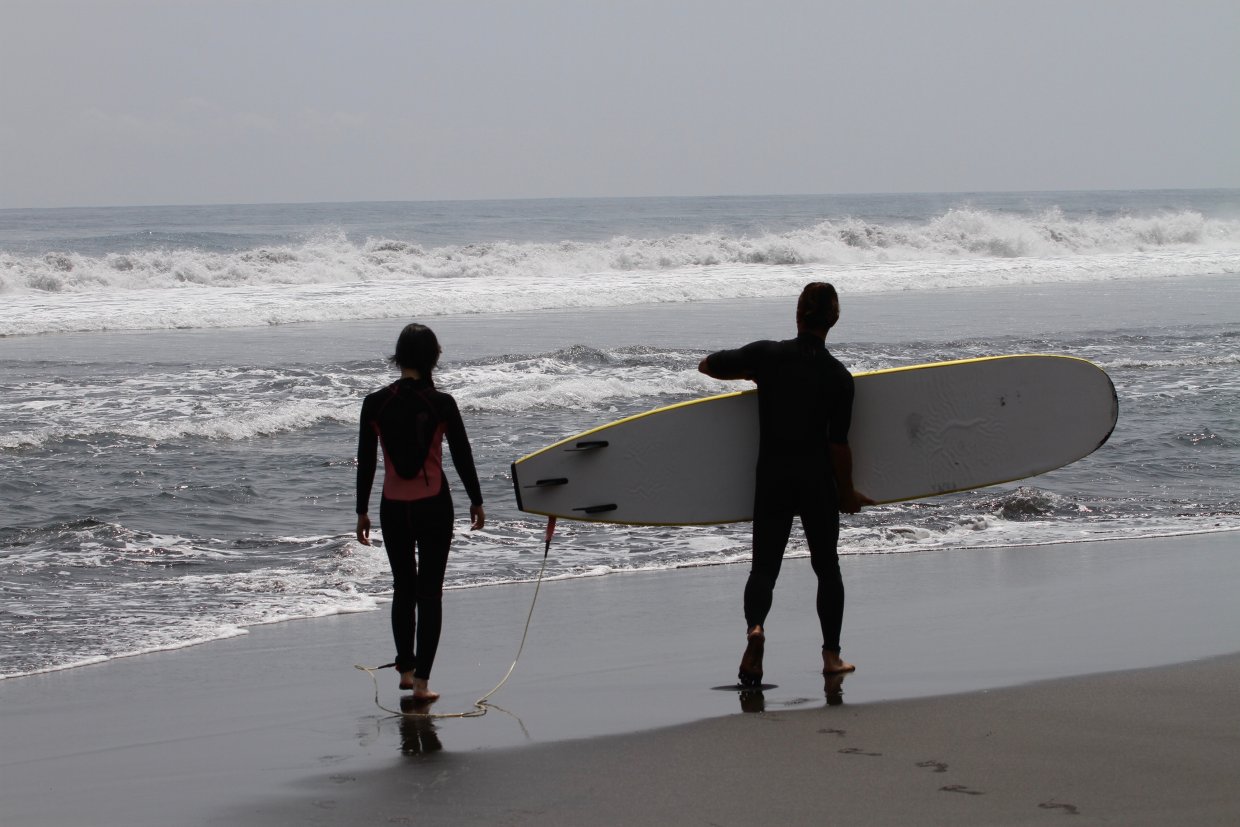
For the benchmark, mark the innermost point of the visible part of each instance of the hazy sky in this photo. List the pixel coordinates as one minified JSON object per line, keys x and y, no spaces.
{"x":231,"y":101}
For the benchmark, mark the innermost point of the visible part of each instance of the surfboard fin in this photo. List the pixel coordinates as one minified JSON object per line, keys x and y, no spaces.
{"x":597,"y":509}
{"x":589,"y":445}
{"x":548,"y":482}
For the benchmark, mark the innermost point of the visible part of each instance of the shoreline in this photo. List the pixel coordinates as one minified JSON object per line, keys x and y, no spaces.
{"x":383,"y":599}
{"x":276,"y":727}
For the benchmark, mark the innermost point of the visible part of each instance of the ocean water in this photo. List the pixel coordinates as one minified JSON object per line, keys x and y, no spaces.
{"x":180,"y":385}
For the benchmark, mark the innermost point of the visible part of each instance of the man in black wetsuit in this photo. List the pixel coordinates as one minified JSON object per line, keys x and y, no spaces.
{"x":804,"y":466}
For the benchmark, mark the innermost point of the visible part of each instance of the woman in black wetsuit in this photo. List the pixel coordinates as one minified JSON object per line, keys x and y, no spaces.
{"x":410,"y":418}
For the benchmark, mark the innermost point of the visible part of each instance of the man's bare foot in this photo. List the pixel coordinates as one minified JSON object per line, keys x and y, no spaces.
{"x":750,"y":673}
{"x":421,"y":692}
{"x":832,"y":665}
{"x":406,"y":681}
{"x":833,"y":687}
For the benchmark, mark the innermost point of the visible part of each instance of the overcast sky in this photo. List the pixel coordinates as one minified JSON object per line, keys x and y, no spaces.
{"x":108,"y":102}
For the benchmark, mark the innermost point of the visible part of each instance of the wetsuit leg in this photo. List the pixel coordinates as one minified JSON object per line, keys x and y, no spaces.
{"x":772,"y":524}
{"x":417,"y":580}
{"x":399,"y":541}
{"x":434,"y":540}
{"x":820,"y":517}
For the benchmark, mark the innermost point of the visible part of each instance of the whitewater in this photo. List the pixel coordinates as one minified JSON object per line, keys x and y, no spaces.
{"x":330,"y":276}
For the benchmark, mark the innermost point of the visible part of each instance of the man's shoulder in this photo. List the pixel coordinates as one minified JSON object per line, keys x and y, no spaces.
{"x":769,"y":345}
{"x":749,"y":350}
{"x":839,"y":370}
{"x":833,"y":359}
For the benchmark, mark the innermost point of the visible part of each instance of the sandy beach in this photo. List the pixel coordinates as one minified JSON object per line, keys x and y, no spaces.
{"x":969,"y":706}
{"x":1150,"y":747}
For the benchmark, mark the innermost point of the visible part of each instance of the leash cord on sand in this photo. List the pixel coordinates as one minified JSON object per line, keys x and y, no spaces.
{"x":481,"y":705}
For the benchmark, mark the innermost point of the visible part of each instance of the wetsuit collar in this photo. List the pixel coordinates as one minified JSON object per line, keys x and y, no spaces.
{"x":809,"y":339}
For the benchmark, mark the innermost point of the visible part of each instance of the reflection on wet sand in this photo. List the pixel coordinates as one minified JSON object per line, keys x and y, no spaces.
{"x":833,"y":687}
{"x":417,"y":731}
{"x":752,"y":700}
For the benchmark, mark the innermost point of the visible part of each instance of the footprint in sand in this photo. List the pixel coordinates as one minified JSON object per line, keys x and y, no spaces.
{"x":1068,"y":809}
{"x":839,"y":732}
{"x":960,"y":788}
{"x":937,"y":766}
{"x":858,"y":751}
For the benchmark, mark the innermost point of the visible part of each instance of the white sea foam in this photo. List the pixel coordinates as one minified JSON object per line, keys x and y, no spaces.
{"x":1203,"y":361}
{"x":134,"y":586}
{"x":333,"y":259}
{"x":239,"y":404}
{"x":224,"y":404}
{"x":271,"y":304}
{"x":332,"y":278}
{"x":234,"y":404}
{"x":552,"y":383}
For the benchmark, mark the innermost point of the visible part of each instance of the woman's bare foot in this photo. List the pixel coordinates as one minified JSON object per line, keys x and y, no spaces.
{"x":418,"y":685}
{"x":750,"y":673}
{"x":421,"y":692}
{"x":832,"y":665}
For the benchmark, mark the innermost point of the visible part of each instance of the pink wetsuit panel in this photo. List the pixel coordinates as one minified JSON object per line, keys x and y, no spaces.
{"x":428,"y":480}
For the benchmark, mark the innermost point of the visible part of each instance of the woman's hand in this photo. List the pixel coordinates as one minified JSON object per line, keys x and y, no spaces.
{"x":363,"y":529}
{"x":477,"y":517}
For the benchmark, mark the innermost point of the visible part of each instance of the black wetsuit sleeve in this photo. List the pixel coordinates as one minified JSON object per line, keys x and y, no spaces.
{"x":463,"y":455}
{"x":367,"y":457}
{"x":741,"y":363}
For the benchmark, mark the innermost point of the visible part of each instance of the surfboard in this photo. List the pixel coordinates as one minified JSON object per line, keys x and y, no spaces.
{"x":917,"y":431}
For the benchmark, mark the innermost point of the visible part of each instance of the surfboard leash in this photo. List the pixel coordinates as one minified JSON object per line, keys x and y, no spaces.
{"x":482,"y":704}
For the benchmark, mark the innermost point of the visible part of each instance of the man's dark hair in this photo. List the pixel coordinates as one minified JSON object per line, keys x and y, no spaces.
{"x":417,"y":348}
{"x":816,"y":307}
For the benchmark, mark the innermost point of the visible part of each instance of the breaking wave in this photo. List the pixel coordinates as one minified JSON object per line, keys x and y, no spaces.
{"x":334,"y":259}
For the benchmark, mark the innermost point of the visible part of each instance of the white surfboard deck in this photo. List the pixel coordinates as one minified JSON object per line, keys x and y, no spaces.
{"x":916,"y":432}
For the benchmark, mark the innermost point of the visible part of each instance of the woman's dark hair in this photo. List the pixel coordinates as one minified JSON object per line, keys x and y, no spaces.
{"x":417,"y":348}
{"x":816,"y":307}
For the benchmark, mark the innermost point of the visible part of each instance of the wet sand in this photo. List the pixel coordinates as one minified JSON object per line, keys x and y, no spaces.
{"x":1154,"y":747}
{"x":611,"y":716}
